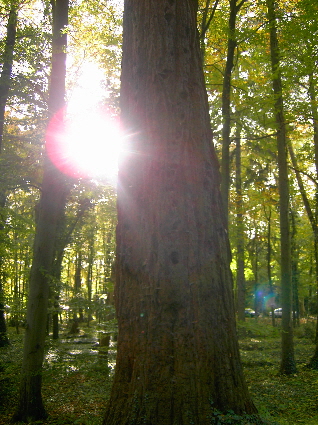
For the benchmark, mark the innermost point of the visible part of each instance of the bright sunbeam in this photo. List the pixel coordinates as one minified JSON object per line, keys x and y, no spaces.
{"x":84,"y":139}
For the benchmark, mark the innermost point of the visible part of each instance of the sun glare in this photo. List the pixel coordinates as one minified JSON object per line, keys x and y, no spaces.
{"x":84,"y":139}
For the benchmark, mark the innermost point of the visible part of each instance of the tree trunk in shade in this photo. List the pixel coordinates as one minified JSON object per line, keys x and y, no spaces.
{"x":178,"y":357}
{"x":288,"y":364}
{"x":51,"y":208}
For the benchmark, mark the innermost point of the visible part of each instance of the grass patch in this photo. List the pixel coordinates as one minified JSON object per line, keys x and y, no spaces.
{"x":286,"y":400}
{"x":77,"y":377}
{"x":76,"y":380}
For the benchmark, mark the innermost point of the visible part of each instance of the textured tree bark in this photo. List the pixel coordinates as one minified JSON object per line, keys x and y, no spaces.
{"x":51,"y":206}
{"x":178,"y":357}
{"x":288,"y":364}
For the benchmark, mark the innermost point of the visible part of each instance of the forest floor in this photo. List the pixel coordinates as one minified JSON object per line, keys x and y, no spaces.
{"x":78,"y":373}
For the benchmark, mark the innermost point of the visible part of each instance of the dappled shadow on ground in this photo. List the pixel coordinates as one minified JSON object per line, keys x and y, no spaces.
{"x":77,"y":376}
{"x":288,"y":400}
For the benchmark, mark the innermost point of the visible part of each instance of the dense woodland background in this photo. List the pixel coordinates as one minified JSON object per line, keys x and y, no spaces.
{"x":95,"y":37}
{"x":238,"y":66}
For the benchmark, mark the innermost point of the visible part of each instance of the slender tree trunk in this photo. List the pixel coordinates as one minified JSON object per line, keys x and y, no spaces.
{"x":255,"y":260}
{"x":7,"y":63}
{"x":240,"y":278}
{"x":288,"y":365}
{"x":90,"y":273}
{"x":207,"y":16}
{"x":4,"y":340}
{"x":56,"y":283}
{"x":313,"y":223}
{"x":52,"y":202}
{"x":78,"y":273}
{"x":16,"y":294}
{"x":312,"y":92}
{"x":312,"y":215}
{"x":177,"y":358}
{"x":5,"y":82}
{"x":268,"y":261}
{"x":302,"y":190}
{"x":64,"y":233}
{"x":89,"y":280}
{"x":294,"y":267}
{"x":235,"y":6}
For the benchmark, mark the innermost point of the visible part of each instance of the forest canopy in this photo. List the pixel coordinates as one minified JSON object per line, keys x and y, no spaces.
{"x":94,"y":70}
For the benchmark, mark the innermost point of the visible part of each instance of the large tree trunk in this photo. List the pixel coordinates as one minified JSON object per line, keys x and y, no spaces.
{"x":178,"y":357}
{"x":288,"y":365}
{"x":52,"y":203}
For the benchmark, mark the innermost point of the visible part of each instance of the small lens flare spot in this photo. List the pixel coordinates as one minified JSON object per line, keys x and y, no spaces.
{"x":85,"y":144}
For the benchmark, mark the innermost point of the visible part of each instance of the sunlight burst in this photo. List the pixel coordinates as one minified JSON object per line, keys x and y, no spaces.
{"x":84,"y":139}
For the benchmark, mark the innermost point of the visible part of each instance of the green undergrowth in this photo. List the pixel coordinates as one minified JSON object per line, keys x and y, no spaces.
{"x":77,"y":377}
{"x":284,"y":399}
{"x":231,"y":418}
